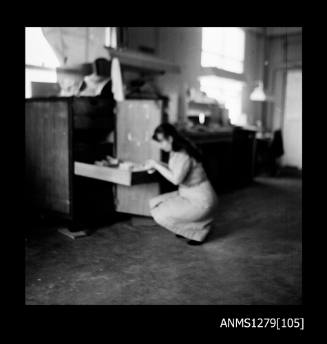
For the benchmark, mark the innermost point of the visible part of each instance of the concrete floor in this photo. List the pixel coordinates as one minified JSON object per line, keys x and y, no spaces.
{"x":252,"y":257}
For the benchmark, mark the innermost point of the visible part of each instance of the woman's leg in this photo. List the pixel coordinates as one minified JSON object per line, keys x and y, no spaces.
{"x":155,"y":201}
{"x":182,"y":217}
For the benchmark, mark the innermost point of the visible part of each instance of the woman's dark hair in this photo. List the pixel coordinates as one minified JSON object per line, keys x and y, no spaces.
{"x":179,"y":141}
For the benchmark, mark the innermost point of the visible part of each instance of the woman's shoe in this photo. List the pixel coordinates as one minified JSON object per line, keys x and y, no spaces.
{"x":194,"y":242}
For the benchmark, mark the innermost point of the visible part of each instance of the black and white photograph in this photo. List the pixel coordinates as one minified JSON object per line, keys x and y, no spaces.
{"x":163,"y":166}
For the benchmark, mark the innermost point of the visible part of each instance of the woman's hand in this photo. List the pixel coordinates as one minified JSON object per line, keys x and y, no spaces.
{"x":150,"y":164}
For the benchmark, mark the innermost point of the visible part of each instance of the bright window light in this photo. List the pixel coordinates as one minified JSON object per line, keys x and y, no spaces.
{"x":227,"y":92}
{"x":223,"y":47}
{"x":39,"y":53}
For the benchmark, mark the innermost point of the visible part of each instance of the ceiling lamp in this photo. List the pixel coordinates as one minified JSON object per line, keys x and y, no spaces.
{"x":258,"y":94}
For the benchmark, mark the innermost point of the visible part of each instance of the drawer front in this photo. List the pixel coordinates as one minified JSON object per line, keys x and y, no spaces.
{"x":113,"y":174}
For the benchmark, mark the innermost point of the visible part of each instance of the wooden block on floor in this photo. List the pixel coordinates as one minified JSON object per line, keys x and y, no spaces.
{"x":72,"y":235}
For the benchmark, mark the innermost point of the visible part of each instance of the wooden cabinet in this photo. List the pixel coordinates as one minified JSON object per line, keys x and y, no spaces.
{"x":63,"y":139}
{"x":48,"y":155}
{"x":58,"y":132}
{"x":136,"y":121}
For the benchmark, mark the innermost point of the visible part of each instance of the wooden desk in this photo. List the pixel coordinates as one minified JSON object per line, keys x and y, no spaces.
{"x":228,"y":156}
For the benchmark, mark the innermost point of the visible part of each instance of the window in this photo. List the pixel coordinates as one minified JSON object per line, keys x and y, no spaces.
{"x":223,"y":47}
{"x":38,"y":53}
{"x":227,"y":92}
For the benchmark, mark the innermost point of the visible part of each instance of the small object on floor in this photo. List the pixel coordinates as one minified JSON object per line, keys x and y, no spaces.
{"x":72,"y":235}
{"x":194,"y":242}
{"x":179,"y":236}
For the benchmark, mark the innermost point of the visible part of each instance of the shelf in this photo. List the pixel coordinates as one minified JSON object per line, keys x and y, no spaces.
{"x":135,"y":60}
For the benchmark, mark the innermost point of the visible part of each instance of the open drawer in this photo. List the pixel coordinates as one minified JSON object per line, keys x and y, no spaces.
{"x":114,"y":174}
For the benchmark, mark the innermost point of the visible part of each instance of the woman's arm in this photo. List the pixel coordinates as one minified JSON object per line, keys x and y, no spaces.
{"x":166,"y":172}
{"x":177,"y":174}
{"x":163,"y":164}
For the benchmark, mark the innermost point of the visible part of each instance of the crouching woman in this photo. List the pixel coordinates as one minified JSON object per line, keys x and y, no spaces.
{"x":188,"y":212}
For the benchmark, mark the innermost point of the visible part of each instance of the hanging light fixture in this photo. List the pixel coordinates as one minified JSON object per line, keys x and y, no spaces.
{"x":259,"y":94}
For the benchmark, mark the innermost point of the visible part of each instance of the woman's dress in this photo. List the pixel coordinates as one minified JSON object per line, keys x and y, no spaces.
{"x":190,"y":210}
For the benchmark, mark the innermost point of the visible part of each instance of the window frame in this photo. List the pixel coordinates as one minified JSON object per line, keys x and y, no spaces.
{"x":225,"y":56}
{"x":227,"y":74}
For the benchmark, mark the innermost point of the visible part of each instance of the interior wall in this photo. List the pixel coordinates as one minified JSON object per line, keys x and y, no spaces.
{"x":285,"y":53}
{"x":182,"y":45}
{"x":75,"y":45}
{"x":292,"y":121}
{"x":253,"y":70}
{"x":138,"y":37}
